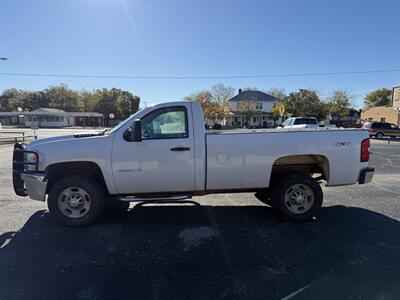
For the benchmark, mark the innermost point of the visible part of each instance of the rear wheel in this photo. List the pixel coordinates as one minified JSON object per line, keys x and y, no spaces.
{"x":297,"y":197}
{"x":76,"y":201}
{"x":379,"y":135}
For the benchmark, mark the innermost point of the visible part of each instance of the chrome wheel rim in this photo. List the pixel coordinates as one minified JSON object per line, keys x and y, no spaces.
{"x":74,"y":202}
{"x":299,"y":198}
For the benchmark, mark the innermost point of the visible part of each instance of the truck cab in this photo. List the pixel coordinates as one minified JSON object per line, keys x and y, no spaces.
{"x":303,"y":122}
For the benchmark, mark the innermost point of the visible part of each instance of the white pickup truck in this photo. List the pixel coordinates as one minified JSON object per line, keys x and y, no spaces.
{"x":163,"y":153}
{"x":307,"y":122}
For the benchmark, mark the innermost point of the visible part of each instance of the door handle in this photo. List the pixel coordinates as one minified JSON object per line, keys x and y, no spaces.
{"x":180,"y":149}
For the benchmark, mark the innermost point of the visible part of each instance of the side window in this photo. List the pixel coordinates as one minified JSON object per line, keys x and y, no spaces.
{"x":385,"y":126}
{"x":165,"y":123}
{"x":376,"y":125}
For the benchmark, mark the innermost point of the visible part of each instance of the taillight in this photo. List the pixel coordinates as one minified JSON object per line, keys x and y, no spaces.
{"x":372,"y":129}
{"x":365,"y":150}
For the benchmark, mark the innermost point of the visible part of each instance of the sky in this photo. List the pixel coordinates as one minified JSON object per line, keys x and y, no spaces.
{"x":186,"y":38}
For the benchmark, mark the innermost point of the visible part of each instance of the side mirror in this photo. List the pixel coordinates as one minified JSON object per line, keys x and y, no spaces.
{"x":134,"y":133}
{"x":137,"y":130}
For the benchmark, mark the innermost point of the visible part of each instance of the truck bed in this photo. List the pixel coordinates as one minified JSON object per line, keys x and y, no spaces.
{"x":244,"y":158}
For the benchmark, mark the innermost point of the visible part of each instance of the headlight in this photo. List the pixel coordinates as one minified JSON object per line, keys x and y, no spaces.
{"x":31,"y":159}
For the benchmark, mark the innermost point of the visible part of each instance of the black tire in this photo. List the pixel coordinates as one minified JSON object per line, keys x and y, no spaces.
{"x":264,"y":196}
{"x":379,"y":135}
{"x":281,"y":207}
{"x":96,"y":196}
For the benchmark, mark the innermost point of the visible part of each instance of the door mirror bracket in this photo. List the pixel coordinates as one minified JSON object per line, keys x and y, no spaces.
{"x":134,"y":133}
{"x":137,"y":130}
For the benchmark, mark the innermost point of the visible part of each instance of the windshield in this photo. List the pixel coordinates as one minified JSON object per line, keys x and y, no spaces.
{"x":114,"y":129}
{"x":303,"y":121}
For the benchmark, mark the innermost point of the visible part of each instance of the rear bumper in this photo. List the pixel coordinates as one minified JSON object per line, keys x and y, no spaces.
{"x":366,"y":175}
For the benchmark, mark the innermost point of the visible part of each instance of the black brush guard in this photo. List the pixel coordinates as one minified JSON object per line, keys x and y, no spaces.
{"x":19,"y":168}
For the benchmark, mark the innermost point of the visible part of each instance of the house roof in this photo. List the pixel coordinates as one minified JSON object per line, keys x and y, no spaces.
{"x":52,"y":112}
{"x":253,"y":95}
{"x":85,"y":114}
{"x":9,"y":113}
{"x":44,"y":111}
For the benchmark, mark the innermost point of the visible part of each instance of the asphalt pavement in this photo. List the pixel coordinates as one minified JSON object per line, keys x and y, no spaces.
{"x":221,"y":246}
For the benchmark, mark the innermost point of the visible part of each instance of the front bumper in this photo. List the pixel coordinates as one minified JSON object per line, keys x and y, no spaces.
{"x":366,"y":175}
{"x":32,"y":184}
{"x":35,"y":184}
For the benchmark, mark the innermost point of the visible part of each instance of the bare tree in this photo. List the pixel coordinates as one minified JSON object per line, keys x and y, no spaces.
{"x":221,"y":93}
{"x":278,"y":93}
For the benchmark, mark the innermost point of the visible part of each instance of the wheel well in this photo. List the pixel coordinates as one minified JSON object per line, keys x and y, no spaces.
{"x":58,"y":171}
{"x":307,"y":164}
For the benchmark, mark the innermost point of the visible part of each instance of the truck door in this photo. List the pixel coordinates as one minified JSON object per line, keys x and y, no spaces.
{"x":164,"y":160}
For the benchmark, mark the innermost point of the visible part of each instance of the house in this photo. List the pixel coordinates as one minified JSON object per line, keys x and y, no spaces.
{"x":251,"y":108}
{"x":52,"y":117}
{"x":381,"y":114}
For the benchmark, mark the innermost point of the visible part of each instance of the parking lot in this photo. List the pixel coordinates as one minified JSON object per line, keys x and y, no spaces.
{"x":220,"y":246}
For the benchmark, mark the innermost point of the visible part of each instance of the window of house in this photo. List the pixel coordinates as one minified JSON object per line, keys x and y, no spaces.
{"x":169,"y":122}
{"x":383,"y":120}
{"x":370,"y":119}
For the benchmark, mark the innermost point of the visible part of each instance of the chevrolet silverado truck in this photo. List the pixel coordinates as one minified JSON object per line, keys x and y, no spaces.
{"x":163,"y":153}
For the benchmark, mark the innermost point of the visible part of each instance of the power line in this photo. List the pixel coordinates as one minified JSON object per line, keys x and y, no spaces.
{"x":199,"y":77}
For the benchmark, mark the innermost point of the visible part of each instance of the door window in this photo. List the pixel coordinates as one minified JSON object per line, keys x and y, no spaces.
{"x":165,"y":123}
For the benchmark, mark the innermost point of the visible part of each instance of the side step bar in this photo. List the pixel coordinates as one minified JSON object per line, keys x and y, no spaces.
{"x":155,"y":199}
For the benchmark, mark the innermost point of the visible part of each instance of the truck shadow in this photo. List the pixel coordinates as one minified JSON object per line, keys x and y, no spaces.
{"x":204,"y":252}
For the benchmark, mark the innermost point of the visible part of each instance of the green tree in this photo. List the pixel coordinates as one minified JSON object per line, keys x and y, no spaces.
{"x":89,"y":99}
{"x":34,"y":99}
{"x":379,"y":97}
{"x":306,"y":103}
{"x":62,"y":97}
{"x":339,"y":103}
{"x":121,"y":103}
{"x":11,"y":99}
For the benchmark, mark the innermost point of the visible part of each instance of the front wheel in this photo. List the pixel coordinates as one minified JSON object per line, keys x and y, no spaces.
{"x":297,"y":197}
{"x":379,"y":135}
{"x":76,"y":201}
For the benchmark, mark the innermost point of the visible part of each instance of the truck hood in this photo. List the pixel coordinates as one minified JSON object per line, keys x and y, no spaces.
{"x":32,"y":145}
